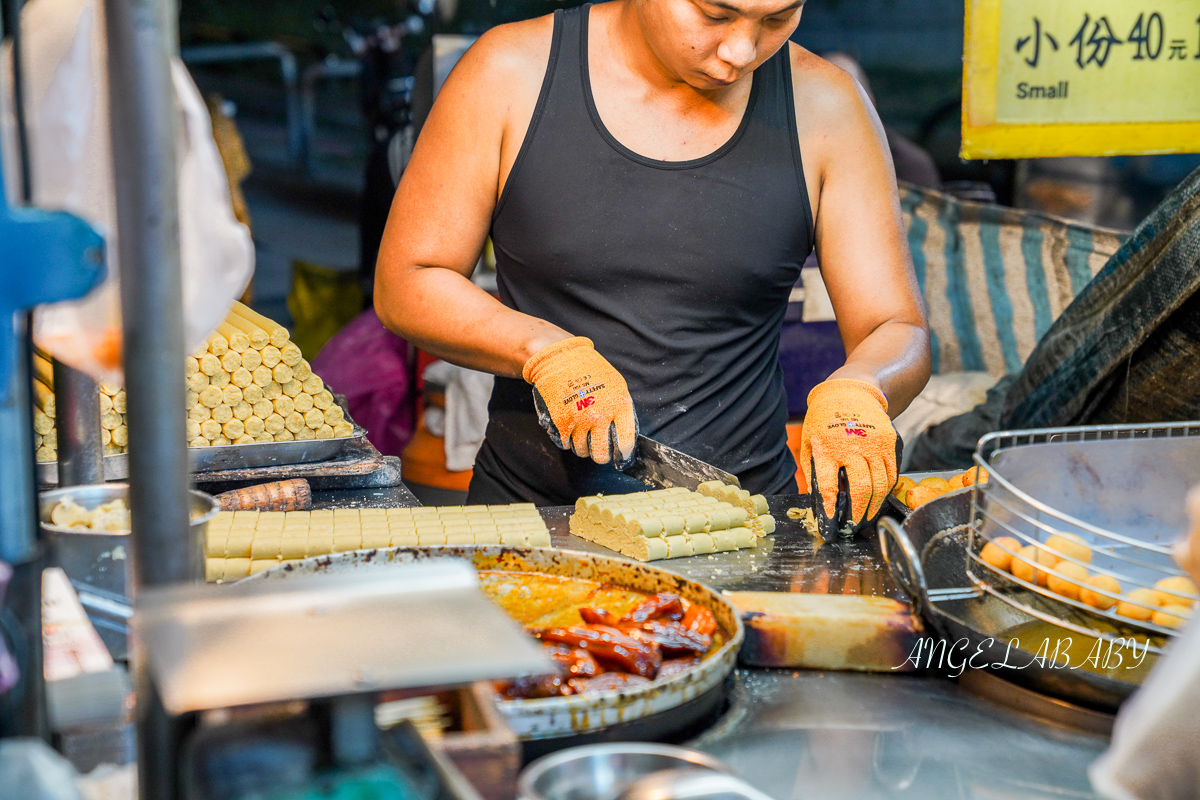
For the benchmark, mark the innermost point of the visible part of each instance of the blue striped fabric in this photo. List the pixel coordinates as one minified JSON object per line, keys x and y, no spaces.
{"x":957,"y":294}
{"x":995,"y":278}
{"x":917,"y":229}
{"x":1002,"y":309}
{"x":1035,"y":279}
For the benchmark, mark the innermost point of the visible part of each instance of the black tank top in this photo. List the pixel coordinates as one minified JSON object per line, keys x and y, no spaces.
{"x":679,"y":271}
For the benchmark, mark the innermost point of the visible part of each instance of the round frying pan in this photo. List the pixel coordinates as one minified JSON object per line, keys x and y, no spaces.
{"x":927,"y":555}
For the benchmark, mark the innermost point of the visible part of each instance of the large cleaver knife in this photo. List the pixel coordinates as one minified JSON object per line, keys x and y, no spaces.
{"x":662,"y":467}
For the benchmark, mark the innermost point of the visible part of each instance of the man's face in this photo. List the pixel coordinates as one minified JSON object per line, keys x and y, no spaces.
{"x":711,"y":43}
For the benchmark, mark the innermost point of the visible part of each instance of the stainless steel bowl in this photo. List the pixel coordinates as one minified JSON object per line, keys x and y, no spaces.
{"x":604,"y":771}
{"x":97,"y":562}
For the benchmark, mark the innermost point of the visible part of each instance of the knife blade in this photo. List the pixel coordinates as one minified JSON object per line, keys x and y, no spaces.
{"x":662,"y":467}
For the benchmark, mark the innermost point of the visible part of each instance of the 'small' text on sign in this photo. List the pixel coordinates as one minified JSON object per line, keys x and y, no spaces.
{"x":1081,"y":78}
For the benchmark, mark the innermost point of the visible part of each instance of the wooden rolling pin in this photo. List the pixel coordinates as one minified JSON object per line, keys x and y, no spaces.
{"x":289,"y":495}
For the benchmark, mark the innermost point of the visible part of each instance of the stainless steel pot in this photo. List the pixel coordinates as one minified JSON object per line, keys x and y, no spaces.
{"x":927,"y":554}
{"x":98,"y":562}
{"x":604,"y":771}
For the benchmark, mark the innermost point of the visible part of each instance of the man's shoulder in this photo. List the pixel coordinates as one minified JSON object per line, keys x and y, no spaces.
{"x":513,"y":51}
{"x":824,"y":92}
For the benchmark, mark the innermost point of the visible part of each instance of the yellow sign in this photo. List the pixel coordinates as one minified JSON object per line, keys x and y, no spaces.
{"x":1081,"y":78}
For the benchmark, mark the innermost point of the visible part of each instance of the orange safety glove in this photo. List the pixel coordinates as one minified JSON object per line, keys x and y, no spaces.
{"x":582,"y":401}
{"x":847,"y":428}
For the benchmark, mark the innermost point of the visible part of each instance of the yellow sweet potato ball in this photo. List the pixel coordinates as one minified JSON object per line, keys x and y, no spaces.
{"x":1105,"y":583}
{"x":1172,"y":616}
{"x":1068,"y":544}
{"x":920,"y":495}
{"x":1176,"y":590}
{"x":1134,"y":605}
{"x":1068,"y":581}
{"x":999,"y":552}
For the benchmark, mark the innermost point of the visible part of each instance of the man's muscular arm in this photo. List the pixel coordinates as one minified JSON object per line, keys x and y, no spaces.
{"x":861,"y":242}
{"x":443,"y":208}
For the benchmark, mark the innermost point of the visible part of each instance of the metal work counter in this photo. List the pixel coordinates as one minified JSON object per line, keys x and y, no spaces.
{"x":788,"y":561}
{"x":807,"y":734}
{"x":829,"y":735}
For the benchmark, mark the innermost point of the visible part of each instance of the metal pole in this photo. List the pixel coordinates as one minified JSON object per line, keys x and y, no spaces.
{"x":23,"y":709}
{"x":140,"y":43}
{"x":80,"y":450}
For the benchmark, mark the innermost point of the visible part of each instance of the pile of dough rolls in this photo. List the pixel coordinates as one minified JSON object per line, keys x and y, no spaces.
{"x":250,"y":383}
{"x":114,"y":434}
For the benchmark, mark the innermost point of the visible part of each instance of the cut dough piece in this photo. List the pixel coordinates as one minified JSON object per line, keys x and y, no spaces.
{"x":754,"y":505}
{"x":670,"y":523}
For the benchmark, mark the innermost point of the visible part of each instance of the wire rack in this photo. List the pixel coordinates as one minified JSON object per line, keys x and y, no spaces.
{"x":1078,"y":472}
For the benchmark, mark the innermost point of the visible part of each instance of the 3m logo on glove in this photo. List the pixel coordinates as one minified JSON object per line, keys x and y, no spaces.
{"x":582,"y":402}
{"x":847,"y":428}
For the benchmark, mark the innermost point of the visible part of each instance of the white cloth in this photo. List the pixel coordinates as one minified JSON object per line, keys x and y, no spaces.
{"x":66,"y":103}
{"x":466,"y":415}
{"x":945,"y":396}
{"x":1155,"y":750}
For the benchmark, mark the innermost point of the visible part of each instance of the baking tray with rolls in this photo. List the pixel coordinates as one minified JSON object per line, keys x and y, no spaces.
{"x":214,"y":458}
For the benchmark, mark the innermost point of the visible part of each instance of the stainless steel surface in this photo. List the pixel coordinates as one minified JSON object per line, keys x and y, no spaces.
{"x":986,"y":625}
{"x":239,"y":456}
{"x":1007,"y":694}
{"x":604,"y":771}
{"x":662,"y":467}
{"x":89,"y":700}
{"x":690,"y":784}
{"x":553,"y":717}
{"x":790,"y":560}
{"x":260,"y":641}
{"x":1120,"y":488}
{"x":80,"y":450}
{"x":230,"y":456}
{"x":807,"y":735}
{"x":99,"y":563}
{"x":114,"y":465}
{"x":384,"y":497}
{"x":22,"y":710}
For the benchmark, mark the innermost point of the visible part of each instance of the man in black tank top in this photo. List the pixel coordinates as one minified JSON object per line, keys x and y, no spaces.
{"x":653,"y":173}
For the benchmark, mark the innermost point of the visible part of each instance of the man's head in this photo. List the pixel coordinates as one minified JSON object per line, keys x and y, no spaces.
{"x":711,"y":43}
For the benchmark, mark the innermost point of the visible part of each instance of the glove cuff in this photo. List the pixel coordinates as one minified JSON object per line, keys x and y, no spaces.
{"x":546,"y":354}
{"x":836,"y":385}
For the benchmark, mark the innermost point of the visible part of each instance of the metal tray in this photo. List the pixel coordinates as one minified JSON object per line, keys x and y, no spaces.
{"x":553,"y":717}
{"x":229,"y":456}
